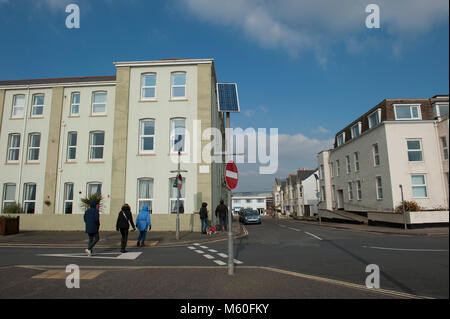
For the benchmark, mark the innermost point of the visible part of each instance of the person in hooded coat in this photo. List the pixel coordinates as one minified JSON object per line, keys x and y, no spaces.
{"x":222,"y":212}
{"x":204,"y":217}
{"x":92,"y":221}
{"x":143,"y":224}
{"x":123,"y":224}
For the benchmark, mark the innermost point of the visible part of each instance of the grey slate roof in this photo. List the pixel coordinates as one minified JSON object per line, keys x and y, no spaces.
{"x":83,"y":79}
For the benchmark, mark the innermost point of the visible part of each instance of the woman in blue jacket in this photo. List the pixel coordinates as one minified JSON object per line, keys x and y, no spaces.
{"x":143,"y":223}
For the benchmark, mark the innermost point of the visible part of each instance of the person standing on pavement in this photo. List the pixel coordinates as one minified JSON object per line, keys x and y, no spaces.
{"x":204,"y":217}
{"x":222,"y":211}
{"x":92,"y":221}
{"x":143,"y":223}
{"x":123,"y":224}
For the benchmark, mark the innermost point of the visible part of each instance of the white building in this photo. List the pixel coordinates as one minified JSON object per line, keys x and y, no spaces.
{"x":255,"y":201}
{"x":66,"y":138}
{"x":398,"y":142}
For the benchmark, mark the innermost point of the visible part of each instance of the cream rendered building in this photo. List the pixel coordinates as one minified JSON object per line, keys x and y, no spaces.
{"x":119,"y":135}
{"x":398,"y":142}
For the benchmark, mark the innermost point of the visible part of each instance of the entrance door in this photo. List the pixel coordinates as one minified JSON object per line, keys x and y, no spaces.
{"x":340,"y":199}
{"x":307,"y":210}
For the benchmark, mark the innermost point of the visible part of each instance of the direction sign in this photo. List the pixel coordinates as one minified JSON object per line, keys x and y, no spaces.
{"x":231,"y":175}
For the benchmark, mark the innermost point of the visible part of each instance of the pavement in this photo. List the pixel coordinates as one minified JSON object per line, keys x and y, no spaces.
{"x":428,"y":231}
{"x":108,"y":239}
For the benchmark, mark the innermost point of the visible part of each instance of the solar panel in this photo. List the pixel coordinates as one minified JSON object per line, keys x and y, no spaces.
{"x":227,"y":97}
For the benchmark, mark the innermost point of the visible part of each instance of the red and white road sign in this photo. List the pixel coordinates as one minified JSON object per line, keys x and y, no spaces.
{"x":179,"y":181}
{"x":231,"y":175}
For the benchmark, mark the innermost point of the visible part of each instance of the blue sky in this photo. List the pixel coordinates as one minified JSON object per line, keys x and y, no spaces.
{"x":305,"y":67}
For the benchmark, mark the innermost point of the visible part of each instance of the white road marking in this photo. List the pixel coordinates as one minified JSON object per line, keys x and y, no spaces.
{"x":196,"y":244}
{"x":222,"y":255}
{"x":199,"y":251}
{"x":221,"y":263}
{"x":212,"y":250}
{"x":237,"y":261}
{"x":124,"y":256}
{"x":313,"y":235}
{"x":191,"y":247}
{"x":294,"y":229}
{"x":208,"y":256}
{"x":129,"y":256}
{"x":204,"y":247}
{"x":407,"y":249}
{"x":282,"y":225}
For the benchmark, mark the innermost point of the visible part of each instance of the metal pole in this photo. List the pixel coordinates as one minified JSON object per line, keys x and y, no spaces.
{"x":403,"y":208}
{"x":230,"y":218}
{"x":178,"y":200}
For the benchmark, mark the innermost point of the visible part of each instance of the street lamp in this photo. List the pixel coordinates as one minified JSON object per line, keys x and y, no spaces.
{"x":178,"y":171}
{"x":403,"y":207}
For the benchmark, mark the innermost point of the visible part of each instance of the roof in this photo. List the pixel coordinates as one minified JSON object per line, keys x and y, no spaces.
{"x":304,"y":174}
{"x":83,"y":79}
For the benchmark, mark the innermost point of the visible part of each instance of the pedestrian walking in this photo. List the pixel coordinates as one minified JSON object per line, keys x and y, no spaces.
{"x":143,"y":224}
{"x":92,"y":221}
{"x":204,"y":217}
{"x":123,"y":224}
{"x":221,"y":212}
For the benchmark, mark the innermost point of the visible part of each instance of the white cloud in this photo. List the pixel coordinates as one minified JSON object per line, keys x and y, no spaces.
{"x":320,"y":130}
{"x":298,"y":25}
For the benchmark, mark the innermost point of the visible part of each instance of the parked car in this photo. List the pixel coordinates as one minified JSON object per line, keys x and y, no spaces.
{"x":250,"y":217}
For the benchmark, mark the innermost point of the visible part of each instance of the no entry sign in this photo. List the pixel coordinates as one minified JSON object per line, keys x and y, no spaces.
{"x":231,"y":175}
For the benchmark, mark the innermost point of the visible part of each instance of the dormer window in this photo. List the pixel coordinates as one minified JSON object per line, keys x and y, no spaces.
{"x":440,"y":109}
{"x":356,"y":130}
{"x":374,"y":118}
{"x":341,"y":139}
{"x":407,"y":112}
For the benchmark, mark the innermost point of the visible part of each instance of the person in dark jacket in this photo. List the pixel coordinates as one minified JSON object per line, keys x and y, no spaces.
{"x":92,"y":221}
{"x":204,"y":217}
{"x":123,"y":224}
{"x":222,"y":211}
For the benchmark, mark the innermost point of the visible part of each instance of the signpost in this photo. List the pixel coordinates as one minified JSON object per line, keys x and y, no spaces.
{"x":178,"y":184}
{"x":231,"y":178}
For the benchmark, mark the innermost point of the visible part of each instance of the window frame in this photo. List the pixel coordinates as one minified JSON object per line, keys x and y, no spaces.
{"x":350,"y":191}
{"x":444,"y":146}
{"x":171,"y":138}
{"x":358,"y":190}
{"x":182,"y":199}
{"x":141,"y":136}
{"x":72,"y":104}
{"x":378,"y":113}
{"x":14,"y":106}
{"x":379,"y":186}
{"x":338,"y":142}
{"x":28,"y":201}
{"x":152,"y":180}
{"x":30,"y":148}
{"x":13,"y":148}
{"x":376,"y":154}
{"x":359,"y":126}
{"x":338,"y":168}
{"x":419,"y":185}
{"x":65,"y":200}
{"x":93,"y":183}
{"x":5,"y":190}
{"x":419,"y":112}
{"x":172,"y":86}
{"x":437,"y":109}
{"x":415,"y":150}
{"x":34,"y":106}
{"x":96,"y":146}
{"x":98,"y":103}
{"x":143,"y":87}
{"x":349,"y":164}
{"x":70,"y":160}
{"x":356,"y":159}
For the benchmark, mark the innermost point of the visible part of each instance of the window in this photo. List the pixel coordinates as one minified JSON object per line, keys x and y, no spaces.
{"x":444,"y":147}
{"x":37,"y":109}
{"x":99,"y":103}
{"x":145,"y":193}
{"x":322,"y":173}
{"x":29,"y":198}
{"x":358,"y":190}
{"x":34,"y":145}
{"x":9,"y":194}
{"x":347,"y":160}
{"x":379,"y":187}
{"x":68,"y":198}
{"x":146,"y":136}
{"x":338,"y":168}
{"x":356,"y":161}
{"x":356,"y":130}
{"x":322,"y":194}
{"x":178,"y":85}
{"x":419,"y":186}
{"x":332,"y":169}
{"x":440,"y":109}
{"x":376,"y":155}
{"x":407,"y":112}
{"x":96,"y":145}
{"x":13,"y":148}
{"x":173,"y":190}
{"x":350,"y":191}
{"x":341,"y":139}
{"x":414,"y":151}
{"x":148,"y":86}
{"x":94,"y":188}
{"x":374,"y":118}
{"x":18,"y":107}
{"x":75,"y":104}
{"x":72,"y":146}
{"x":178,"y":131}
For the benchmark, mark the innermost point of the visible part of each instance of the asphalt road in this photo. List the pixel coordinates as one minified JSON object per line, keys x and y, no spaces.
{"x":277,"y":251}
